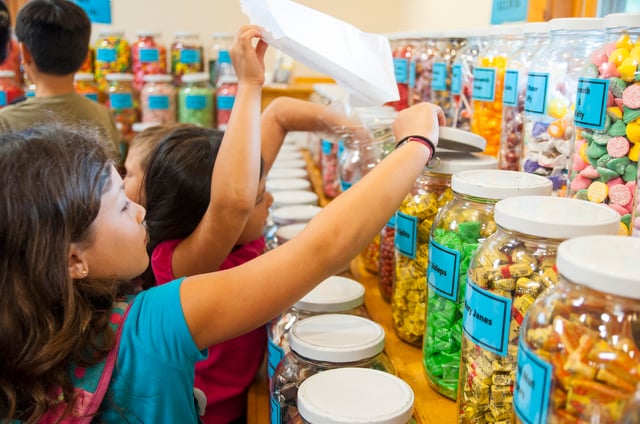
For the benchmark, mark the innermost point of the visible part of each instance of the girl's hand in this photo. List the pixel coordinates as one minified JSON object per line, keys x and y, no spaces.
{"x":421,"y":119}
{"x":248,"y":61}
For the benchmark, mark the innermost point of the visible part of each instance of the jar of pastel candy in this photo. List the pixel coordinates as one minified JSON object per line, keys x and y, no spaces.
{"x":448,"y":47}
{"x":148,"y":56}
{"x":85,"y":83}
{"x":488,"y":84}
{"x":579,"y":355}
{"x":113,"y":55}
{"x":158,"y":99}
{"x":335,"y":295}
{"x":9,"y":88}
{"x":551,"y":94}
{"x":604,"y":161}
{"x":425,"y":51}
{"x":120,"y":101}
{"x":195,"y":100}
{"x":536,"y":36}
{"x":186,"y":55}
{"x":321,"y":343}
{"x":225,"y":98}
{"x":509,"y":271}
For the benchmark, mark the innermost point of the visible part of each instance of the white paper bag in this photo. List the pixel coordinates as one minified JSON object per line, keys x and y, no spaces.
{"x":360,"y":62}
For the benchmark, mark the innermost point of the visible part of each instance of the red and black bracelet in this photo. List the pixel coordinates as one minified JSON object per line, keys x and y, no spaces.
{"x":419,"y":139}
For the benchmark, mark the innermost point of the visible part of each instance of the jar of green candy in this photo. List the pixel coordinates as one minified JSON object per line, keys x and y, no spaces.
{"x":458,"y":230}
{"x":195,"y":100}
{"x":431,"y":191}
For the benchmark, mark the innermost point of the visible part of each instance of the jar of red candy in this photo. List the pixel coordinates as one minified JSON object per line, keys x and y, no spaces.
{"x":121,"y":102}
{"x":85,"y":83}
{"x":113,"y":55}
{"x":158,"y":99}
{"x":604,"y":162}
{"x":9,"y":89}
{"x":329,"y":167}
{"x":536,"y":35}
{"x":225,"y":98}
{"x":186,"y":55}
{"x":148,"y":56}
{"x":404,"y":68}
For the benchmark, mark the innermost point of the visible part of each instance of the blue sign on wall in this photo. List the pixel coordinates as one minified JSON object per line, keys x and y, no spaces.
{"x":99,"y":11}
{"x":509,"y":11}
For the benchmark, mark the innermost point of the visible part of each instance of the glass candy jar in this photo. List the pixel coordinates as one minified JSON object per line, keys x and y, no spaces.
{"x":120,"y":101}
{"x":148,"y":57}
{"x":449,"y":46}
{"x":158,"y":99}
{"x":195,"y":100}
{"x":85,"y":83}
{"x":9,"y":88}
{"x":186,"y":55}
{"x":113,"y":55}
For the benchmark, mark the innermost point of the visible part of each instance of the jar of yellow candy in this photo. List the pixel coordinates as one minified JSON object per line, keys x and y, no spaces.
{"x":112,"y":55}
{"x":186,"y":55}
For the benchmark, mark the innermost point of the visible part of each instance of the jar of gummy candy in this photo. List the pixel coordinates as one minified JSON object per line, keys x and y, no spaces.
{"x":457,"y":231}
{"x":549,"y":106}
{"x":148,"y":56}
{"x":425,"y":51}
{"x":121,"y":101}
{"x":413,"y":221}
{"x":488,"y":84}
{"x":604,"y":162}
{"x":352,"y":395}
{"x":9,"y":88}
{"x":225,"y":98}
{"x":186,"y":55}
{"x":335,"y":295}
{"x":321,"y":343}
{"x":85,"y":83}
{"x":404,"y":68}
{"x":113,"y":55}
{"x":536,"y":36}
{"x":158,"y":99}
{"x":195,"y":100}
{"x":219,"y":54}
{"x":447,"y":49}
{"x":579,"y":355}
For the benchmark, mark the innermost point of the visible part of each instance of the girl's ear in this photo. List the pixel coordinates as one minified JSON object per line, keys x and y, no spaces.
{"x":78,"y":267}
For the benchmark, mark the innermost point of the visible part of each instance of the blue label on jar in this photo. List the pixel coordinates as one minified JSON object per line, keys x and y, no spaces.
{"x":591,"y":103}
{"x":223,"y":56}
{"x":106,"y":54}
{"x":456,"y":79}
{"x":510,"y":92}
{"x":121,"y":100}
{"x":406,"y":234}
{"x":327,"y":146}
{"x":443,"y":270}
{"x":195,"y":101}
{"x":190,"y":56}
{"x":536,"y":97}
{"x":401,"y":68}
{"x":345,"y":185}
{"x":533,"y":386}
{"x":486,"y":319}
{"x":225,"y":102}
{"x":275,"y":411}
{"x":484,"y":84}
{"x":439,"y":81}
{"x":412,"y":74}
{"x":149,"y":55}
{"x":274,"y":355}
{"x":3,"y":98}
{"x":159,"y":102}
{"x":92,"y":96}
{"x":392,"y":221}
{"x":33,"y":94}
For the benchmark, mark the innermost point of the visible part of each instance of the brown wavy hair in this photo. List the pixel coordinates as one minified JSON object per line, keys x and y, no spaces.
{"x":51,"y":183}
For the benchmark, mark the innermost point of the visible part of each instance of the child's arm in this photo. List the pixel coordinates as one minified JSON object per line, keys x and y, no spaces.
{"x":236,"y":174}
{"x":222,"y":305}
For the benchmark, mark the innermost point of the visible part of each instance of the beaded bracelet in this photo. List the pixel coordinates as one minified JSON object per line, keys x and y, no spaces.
{"x":419,"y":139}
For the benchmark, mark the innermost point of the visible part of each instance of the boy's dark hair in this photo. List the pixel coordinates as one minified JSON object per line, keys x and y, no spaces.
{"x":56,"y":32}
{"x":5,"y":31}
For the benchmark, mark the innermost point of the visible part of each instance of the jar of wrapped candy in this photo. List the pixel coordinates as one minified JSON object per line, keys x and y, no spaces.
{"x":148,"y":56}
{"x":335,"y":295}
{"x":113,"y":55}
{"x":329,"y":167}
{"x":195,"y":100}
{"x":219,"y":49}
{"x":404,"y":68}
{"x":9,"y":88}
{"x":426,"y":48}
{"x":225,"y":98}
{"x":85,"y":84}
{"x":551,"y":94}
{"x":536,"y":36}
{"x":448,"y":47}
{"x":579,"y":355}
{"x":488,"y":84}
{"x":352,"y":395}
{"x":158,"y":99}
{"x":321,"y":343}
{"x":430,"y":192}
{"x":120,"y":101}
{"x":186,"y":55}
{"x":604,"y":161}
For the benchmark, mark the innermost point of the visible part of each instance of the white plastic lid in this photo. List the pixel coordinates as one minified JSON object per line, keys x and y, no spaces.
{"x":604,"y":263}
{"x":505,"y":29}
{"x":288,"y":155}
{"x":147,"y":33}
{"x":287,"y":232}
{"x":288,"y":184}
{"x":228,"y":78}
{"x":622,"y":20}
{"x":294,"y":214}
{"x":499,"y":184}
{"x":287,"y":173}
{"x":294,"y":197}
{"x":335,"y":294}
{"x":157,"y":78}
{"x":457,"y":139}
{"x":186,"y":34}
{"x":111,"y":32}
{"x":576,"y":24}
{"x":289,"y":147}
{"x":337,"y":338}
{"x":355,"y":395}
{"x":536,"y":28}
{"x":141,"y":126}
{"x":195,"y":77}
{"x":294,"y":163}
{"x":82,"y":76}
{"x":221,"y":35}
{"x":116,"y":76}
{"x":448,"y":162}
{"x":6,"y":73}
{"x":555,"y":217}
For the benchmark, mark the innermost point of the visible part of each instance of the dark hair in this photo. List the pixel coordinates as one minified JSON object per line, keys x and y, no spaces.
{"x":51,"y":183}
{"x":56,"y":32}
{"x":5,"y":31}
